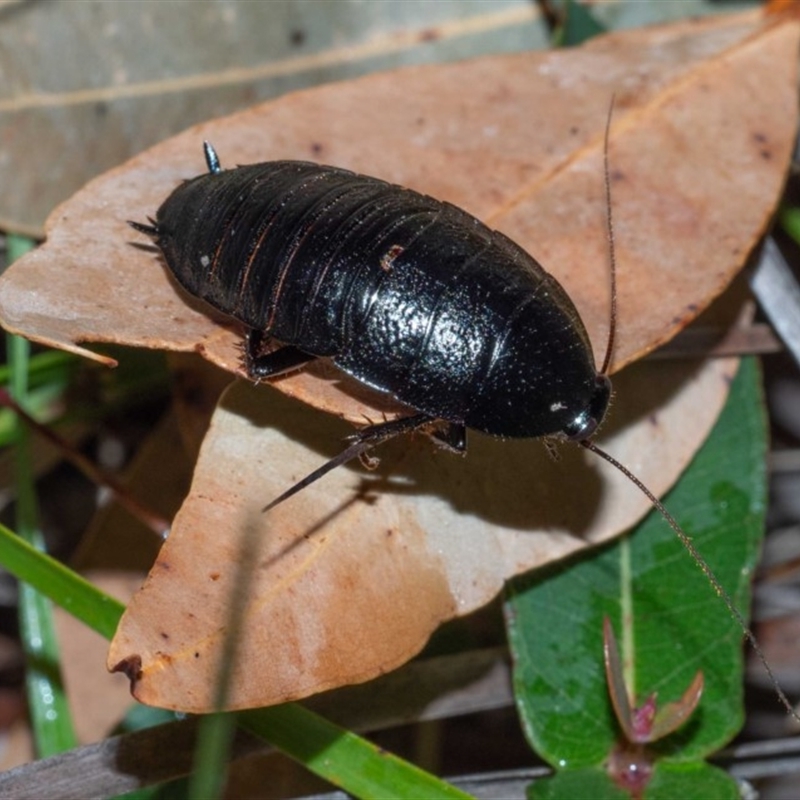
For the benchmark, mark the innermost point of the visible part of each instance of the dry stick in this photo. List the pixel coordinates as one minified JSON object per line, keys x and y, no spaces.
{"x":121,"y":493}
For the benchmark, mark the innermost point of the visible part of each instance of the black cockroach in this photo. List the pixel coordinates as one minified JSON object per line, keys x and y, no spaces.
{"x":409,"y":295}
{"x":412,"y":296}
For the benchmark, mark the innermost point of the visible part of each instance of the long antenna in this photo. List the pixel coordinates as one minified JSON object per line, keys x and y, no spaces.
{"x":612,"y":252}
{"x":693,"y":552}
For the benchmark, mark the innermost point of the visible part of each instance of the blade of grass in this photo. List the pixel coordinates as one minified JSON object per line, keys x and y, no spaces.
{"x":48,"y":377}
{"x":341,"y":757}
{"x":51,"y":721}
{"x":332,"y":753}
{"x":74,"y":594}
{"x":789,"y":217}
{"x":211,"y":755}
{"x":216,"y":731}
{"x":45,"y":368}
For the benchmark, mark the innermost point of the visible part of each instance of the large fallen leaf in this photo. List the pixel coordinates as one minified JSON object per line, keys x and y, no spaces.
{"x":348,"y":579}
{"x":703,"y":128}
{"x":333,"y":587}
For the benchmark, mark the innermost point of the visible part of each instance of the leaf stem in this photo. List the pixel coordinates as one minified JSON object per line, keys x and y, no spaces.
{"x":627,"y":613}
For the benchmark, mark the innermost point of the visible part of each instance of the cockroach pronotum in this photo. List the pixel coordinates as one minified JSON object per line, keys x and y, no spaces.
{"x":409,"y":295}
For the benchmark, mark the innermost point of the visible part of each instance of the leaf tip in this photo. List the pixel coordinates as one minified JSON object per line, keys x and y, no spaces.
{"x":131,"y":666}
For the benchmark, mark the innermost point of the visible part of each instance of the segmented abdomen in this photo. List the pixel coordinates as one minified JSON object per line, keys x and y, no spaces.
{"x":408,"y":294}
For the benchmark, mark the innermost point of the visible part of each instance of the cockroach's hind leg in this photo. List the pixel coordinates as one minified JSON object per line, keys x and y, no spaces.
{"x":361,"y":442}
{"x":388,"y":430}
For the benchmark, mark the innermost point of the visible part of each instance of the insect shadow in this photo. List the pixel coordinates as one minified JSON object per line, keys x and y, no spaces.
{"x":494,"y":481}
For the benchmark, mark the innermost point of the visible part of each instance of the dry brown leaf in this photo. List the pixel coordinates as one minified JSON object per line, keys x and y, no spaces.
{"x":338,"y":591}
{"x":348,"y":579}
{"x":703,"y":128}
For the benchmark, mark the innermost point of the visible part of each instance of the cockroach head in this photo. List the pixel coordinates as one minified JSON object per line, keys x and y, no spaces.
{"x":586,"y":423}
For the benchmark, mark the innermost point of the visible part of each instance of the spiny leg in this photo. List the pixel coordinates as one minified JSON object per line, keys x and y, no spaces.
{"x":362,"y":441}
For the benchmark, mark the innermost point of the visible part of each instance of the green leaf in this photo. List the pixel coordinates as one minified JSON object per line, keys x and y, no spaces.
{"x":586,"y":783}
{"x":697,"y":779}
{"x":674,"y":623}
